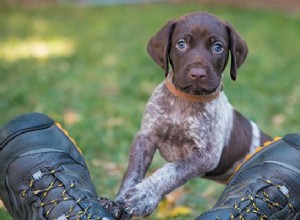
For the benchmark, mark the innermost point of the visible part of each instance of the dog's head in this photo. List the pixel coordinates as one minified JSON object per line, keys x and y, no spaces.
{"x":197,"y":47}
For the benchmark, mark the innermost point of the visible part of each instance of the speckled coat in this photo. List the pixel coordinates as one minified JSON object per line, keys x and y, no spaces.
{"x":206,"y":139}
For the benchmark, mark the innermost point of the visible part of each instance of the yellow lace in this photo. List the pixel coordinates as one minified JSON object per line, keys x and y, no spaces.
{"x":252,"y":207}
{"x":56,"y":183}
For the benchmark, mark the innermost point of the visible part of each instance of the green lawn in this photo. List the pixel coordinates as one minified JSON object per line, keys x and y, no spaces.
{"x":87,"y":67}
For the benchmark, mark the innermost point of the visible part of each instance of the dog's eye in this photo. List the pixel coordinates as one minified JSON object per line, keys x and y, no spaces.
{"x":181,"y":45}
{"x":217,"y":47}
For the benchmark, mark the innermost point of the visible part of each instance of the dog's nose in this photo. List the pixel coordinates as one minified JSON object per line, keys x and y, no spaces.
{"x":197,"y":74}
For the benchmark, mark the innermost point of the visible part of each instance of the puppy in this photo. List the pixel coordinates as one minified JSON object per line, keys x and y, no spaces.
{"x":188,"y":117}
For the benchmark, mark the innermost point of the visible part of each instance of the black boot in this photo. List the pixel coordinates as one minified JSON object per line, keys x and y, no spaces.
{"x":43,"y":174}
{"x":267,"y":186}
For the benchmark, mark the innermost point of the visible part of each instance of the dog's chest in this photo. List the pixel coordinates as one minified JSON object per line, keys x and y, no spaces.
{"x":179,"y":136}
{"x":181,"y":127}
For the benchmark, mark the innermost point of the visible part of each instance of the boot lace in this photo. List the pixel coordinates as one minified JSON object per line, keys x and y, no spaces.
{"x":249,"y":203}
{"x":75,"y":210}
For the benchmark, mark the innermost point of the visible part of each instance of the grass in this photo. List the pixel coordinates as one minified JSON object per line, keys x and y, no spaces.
{"x":87,"y":67}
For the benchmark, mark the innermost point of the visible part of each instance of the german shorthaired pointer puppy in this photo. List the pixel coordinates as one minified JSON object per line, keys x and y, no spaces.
{"x":188,"y":117}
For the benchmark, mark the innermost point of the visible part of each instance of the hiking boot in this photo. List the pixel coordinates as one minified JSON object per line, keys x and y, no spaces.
{"x":266,"y":186}
{"x":43,"y":174}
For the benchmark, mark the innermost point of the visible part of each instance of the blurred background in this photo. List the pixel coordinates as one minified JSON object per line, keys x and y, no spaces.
{"x":84,"y":63}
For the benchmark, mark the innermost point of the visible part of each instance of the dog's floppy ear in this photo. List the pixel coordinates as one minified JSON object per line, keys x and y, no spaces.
{"x":238,"y":50}
{"x":160,"y":44}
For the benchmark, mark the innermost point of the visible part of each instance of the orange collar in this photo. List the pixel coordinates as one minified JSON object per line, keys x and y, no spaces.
{"x":192,"y":97}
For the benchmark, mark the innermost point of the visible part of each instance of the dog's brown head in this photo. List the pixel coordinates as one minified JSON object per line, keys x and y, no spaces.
{"x":197,"y":46}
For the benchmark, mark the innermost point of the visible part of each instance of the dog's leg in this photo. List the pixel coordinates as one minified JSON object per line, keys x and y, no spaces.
{"x":141,"y":155}
{"x":142,"y":199}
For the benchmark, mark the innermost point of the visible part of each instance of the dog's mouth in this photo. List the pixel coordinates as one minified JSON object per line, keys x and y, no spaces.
{"x":199,"y":90}
{"x":196,"y":79}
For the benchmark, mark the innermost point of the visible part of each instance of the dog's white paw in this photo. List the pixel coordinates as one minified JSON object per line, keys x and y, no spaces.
{"x":141,"y":200}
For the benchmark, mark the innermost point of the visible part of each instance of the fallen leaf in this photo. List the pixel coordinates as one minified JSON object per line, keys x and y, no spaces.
{"x":167,"y":207}
{"x":180,"y":210}
{"x":176,"y":195}
{"x":278,"y":120}
{"x":163,"y":209}
{"x":71,"y":117}
{"x":1,"y":205}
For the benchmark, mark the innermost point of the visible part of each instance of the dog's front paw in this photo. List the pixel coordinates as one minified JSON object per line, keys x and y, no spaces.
{"x":120,"y":199}
{"x":114,"y":208}
{"x":141,"y":200}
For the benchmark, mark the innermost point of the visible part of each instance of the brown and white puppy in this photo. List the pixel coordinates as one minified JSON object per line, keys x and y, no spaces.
{"x":188,"y":117}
